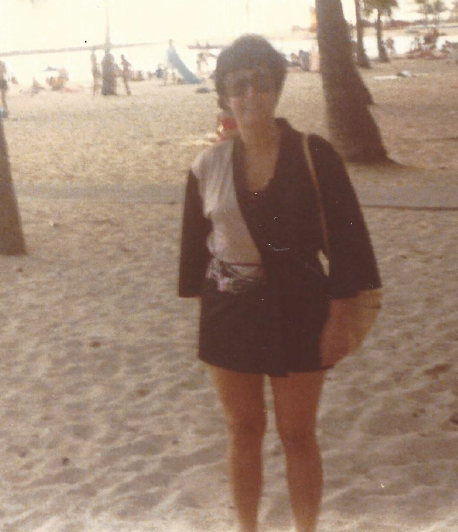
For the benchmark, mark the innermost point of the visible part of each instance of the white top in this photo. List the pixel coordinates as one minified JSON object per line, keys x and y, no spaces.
{"x":229,"y":239}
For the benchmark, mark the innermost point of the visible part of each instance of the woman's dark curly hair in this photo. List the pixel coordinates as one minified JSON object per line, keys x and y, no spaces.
{"x":248,"y":51}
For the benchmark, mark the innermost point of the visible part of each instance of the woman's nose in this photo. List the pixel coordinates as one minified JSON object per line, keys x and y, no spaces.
{"x":250,"y":91}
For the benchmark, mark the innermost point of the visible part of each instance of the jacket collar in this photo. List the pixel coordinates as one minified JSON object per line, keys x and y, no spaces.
{"x":240,"y":183}
{"x":239,"y":176}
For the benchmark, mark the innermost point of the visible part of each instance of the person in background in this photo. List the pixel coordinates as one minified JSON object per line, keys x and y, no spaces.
{"x":250,"y":247}
{"x":159,"y":72}
{"x":294,"y":61}
{"x":201,"y":60}
{"x":3,"y":89}
{"x":416,"y":44}
{"x":63,"y":74}
{"x":108,"y":74}
{"x":390,"y":45}
{"x":304,"y":60}
{"x":125,"y":72}
{"x":96,"y":74}
{"x":36,"y":87}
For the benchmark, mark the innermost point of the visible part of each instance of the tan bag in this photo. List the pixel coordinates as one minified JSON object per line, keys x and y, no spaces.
{"x":366,"y":306}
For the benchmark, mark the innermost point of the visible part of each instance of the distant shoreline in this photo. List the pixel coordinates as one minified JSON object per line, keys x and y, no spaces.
{"x":305,"y":34}
{"x":76,"y":49}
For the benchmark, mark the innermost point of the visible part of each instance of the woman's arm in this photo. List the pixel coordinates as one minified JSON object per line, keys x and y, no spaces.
{"x":353,"y":266}
{"x":335,"y":338}
{"x":194,"y":255}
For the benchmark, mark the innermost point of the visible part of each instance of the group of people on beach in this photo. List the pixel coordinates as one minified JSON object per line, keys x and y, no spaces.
{"x":105,"y":76}
{"x":55,"y":82}
{"x":426,"y":47}
{"x":425,"y":43}
{"x":308,"y":61}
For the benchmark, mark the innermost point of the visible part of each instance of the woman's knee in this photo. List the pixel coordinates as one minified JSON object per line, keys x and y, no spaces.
{"x":248,"y":430}
{"x":298,"y":440}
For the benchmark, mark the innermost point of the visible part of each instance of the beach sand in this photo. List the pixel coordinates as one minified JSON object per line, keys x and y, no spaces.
{"x":108,"y":423}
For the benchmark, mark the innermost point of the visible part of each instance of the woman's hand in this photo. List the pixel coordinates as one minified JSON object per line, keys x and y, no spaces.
{"x":335,"y":337}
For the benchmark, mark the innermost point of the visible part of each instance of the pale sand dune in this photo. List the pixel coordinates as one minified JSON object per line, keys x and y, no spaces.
{"x":108,"y":421}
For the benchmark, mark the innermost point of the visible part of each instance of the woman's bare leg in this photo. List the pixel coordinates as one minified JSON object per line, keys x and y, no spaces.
{"x":242,"y":397}
{"x":296,"y":399}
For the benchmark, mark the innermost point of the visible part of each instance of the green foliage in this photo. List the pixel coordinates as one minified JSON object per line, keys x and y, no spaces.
{"x":431,"y":7}
{"x":454,"y":11}
{"x":384,"y":6}
{"x":439,"y":6}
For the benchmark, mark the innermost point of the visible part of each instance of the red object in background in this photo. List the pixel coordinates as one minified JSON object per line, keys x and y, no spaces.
{"x":226,"y":126}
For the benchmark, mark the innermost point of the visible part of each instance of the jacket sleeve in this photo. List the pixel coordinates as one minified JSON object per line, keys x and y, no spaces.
{"x":353,"y":266}
{"x":194,"y":254}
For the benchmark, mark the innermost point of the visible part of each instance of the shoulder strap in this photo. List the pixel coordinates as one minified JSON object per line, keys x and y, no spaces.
{"x":316,"y":184}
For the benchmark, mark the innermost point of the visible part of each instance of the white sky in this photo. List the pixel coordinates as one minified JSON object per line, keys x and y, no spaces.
{"x":60,"y":23}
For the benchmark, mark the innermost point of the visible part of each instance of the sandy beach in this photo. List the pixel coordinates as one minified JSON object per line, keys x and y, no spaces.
{"x":108,"y":423}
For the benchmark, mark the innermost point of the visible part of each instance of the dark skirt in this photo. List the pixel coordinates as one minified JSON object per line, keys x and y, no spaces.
{"x":260,"y":331}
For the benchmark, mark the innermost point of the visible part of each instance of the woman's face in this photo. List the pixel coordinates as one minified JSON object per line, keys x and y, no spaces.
{"x":251,"y":95}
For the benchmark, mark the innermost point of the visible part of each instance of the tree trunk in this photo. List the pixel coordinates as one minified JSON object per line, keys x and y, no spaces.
{"x":361,"y":58}
{"x":382,"y":55}
{"x":352,"y":72}
{"x":351,"y":125}
{"x":11,"y":236}
{"x":426,"y":20}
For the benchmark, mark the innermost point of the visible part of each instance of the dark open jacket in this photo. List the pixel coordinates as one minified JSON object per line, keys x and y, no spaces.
{"x":289,"y":244}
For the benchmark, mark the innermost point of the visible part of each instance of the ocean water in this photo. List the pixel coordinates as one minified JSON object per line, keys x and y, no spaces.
{"x":147,"y":58}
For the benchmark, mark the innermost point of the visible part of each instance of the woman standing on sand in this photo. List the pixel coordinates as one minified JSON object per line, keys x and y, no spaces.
{"x":250,"y":243}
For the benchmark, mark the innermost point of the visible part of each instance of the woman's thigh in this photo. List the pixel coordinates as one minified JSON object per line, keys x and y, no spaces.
{"x":296,"y":400}
{"x":242,"y":397}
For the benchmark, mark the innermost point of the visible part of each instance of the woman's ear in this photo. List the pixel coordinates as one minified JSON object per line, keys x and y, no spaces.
{"x":223,"y":103}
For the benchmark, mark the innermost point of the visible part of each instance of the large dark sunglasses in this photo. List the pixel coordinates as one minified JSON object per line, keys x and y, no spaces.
{"x":237,"y":83}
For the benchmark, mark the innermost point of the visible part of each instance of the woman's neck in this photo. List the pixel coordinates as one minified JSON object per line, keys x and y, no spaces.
{"x":260,"y":138}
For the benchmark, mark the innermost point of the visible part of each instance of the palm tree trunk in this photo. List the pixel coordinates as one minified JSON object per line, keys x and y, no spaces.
{"x":361,"y":58}
{"x":11,"y":236}
{"x":351,"y":125}
{"x":352,"y":72}
{"x":382,"y":55}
